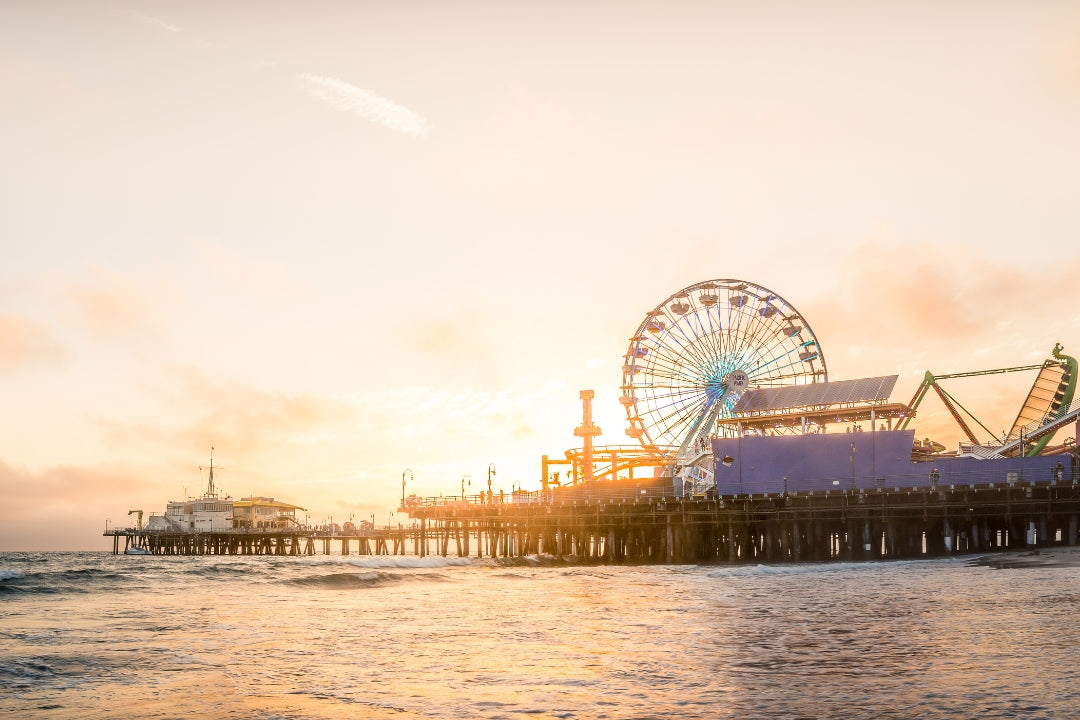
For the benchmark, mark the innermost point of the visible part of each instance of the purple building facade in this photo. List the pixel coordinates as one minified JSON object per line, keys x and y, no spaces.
{"x":860,"y":460}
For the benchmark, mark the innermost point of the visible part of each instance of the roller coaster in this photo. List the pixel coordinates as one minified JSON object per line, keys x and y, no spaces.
{"x":1049,"y":406}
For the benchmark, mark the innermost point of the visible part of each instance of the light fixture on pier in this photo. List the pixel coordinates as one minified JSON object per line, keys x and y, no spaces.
{"x":410,"y":474}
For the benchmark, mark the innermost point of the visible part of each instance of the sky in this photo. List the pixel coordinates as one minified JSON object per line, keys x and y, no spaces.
{"x":339,"y":240}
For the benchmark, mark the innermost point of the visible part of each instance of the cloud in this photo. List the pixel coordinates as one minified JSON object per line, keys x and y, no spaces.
{"x":157,"y":22}
{"x":65,"y":507}
{"x":360,"y":101}
{"x":535,"y":150}
{"x":24,"y":342}
{"x":948,"y":301}
{"x":257,"y":277}
{"x":109,"y":305}
{"x":232,"y":414}
{"x":910,"y":307}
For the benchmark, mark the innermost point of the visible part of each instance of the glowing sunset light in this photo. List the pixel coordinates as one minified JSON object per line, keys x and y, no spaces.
{"x":345,"y":240}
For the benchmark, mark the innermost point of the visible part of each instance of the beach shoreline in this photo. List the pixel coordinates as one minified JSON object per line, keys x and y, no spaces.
{"x":1054,"y":556}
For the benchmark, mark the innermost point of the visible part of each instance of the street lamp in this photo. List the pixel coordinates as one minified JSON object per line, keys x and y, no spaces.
{"x":1022,"y":453}
{"x":852,"y":466}
{"x":491,"y":471}
{"x":409,"y":473}
{"x":388,"y":519}
{"x":465,"y":480}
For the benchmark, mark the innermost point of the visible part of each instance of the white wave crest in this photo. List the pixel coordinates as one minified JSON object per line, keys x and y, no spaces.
{"x":405,"y":561}
{"x":365,"y":103}
{"x":379,"y":562}
{"x":6,"y":574}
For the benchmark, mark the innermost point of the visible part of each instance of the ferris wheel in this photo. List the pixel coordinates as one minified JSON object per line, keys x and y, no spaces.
{"x":695,"y":354}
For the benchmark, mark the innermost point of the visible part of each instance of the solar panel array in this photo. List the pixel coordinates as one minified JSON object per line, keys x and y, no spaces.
{"x":865,"y":390}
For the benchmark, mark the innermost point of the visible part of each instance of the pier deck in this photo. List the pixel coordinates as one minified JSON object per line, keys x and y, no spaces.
{"x":763,"y":528}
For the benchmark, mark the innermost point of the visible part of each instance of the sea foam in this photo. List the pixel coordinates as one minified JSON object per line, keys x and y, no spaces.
{"x":380,"y":562}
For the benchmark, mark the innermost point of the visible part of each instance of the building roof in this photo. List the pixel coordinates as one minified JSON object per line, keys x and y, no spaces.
{"x":265,"y":502}
{"x":815,"y":395}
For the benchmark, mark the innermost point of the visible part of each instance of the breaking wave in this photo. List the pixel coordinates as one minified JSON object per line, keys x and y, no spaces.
{"x":346,"y":581}
{"x":388,"y":562}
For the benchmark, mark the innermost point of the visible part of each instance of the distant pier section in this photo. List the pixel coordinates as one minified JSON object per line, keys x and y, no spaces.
{"x":246,"y":541}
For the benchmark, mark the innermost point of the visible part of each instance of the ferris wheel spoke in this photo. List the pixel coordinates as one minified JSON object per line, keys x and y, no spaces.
{"x":746,"y":328}
{"x":786,"y":358}
{"x":687,"y":367}
{"x":684,"y":394}
{"x":677,"y":399}
{"x":690,"y":343}
{"x":764,"y":331}
{"x":674,"y":374}
{"x":676,"y":421}
{"x":761,"y":336}
{"x":682,"y":343}
{"x":675,"y":363}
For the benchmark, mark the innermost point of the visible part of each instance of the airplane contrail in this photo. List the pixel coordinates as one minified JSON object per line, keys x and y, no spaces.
{"x":365,"y":103}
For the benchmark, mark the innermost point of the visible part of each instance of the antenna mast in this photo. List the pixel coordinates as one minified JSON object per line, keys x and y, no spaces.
{"x":210,"y":485}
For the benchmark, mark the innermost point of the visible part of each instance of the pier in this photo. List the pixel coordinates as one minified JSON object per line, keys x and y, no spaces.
{"x":794,"y":527}
{"x":258,"y":542}
{"x":639,"y":527}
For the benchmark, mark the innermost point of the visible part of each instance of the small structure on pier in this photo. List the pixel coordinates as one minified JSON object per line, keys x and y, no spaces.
{"x":264,"y":512}
{"x":214,"y":512}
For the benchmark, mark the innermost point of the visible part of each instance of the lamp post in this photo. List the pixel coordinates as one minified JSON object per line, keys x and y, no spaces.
{"x":491,"y":471}
{"x":409,"y":473}
{"x":1022,"y":453}
{"x":852,"y":466}
{"x":388,"y":520}
{"x":465,"y":480}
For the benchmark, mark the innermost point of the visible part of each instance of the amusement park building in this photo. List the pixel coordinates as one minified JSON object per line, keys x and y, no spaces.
{"x":726,"y":389}
{"x":881,"y":459}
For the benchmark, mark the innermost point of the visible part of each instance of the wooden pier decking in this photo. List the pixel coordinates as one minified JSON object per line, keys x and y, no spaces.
{"x":793,"y":527}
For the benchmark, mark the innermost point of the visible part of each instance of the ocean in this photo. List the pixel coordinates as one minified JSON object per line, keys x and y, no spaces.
{"x":92,"y":635}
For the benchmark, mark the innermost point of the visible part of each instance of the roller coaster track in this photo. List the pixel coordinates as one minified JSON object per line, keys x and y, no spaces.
{"x":1040,"y":431}
{"x":1049,"y":406}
